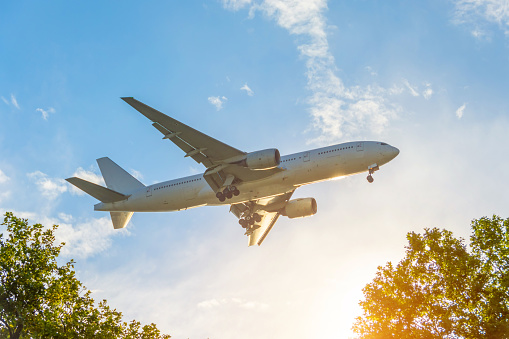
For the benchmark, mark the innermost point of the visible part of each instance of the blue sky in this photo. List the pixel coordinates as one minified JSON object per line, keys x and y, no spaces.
{"x":428,"y":77}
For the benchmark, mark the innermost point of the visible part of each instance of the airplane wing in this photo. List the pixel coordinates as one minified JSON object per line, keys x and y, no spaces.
{"x":268,"y":208}
{"x":202,"y":148}
{"x":219,"y":158}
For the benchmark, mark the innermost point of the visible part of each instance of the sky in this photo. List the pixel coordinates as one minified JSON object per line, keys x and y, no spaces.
{"x":429,"y":77}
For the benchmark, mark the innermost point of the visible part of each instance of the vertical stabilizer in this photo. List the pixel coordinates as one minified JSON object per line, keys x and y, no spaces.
{"x":116,"y":178}
{"x":120,"y":219}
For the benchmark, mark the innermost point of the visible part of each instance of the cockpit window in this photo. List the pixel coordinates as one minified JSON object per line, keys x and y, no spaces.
{"x":383,"y":144}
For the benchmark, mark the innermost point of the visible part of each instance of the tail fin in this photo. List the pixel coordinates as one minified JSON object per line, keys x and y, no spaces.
{"x":117,"y":178}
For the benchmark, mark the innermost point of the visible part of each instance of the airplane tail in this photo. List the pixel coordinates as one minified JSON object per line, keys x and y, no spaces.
{"x":120,"y":184}
{"x":116,"y":178}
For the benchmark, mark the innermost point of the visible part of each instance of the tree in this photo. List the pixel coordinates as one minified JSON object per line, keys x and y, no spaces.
{"x":441,"y":289}
{"x":39,"y":298}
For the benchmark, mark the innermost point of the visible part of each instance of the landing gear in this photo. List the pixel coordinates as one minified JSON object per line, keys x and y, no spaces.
{"x":249,"y":222}
{"x":227,"y":193}
{"x":371,"y":170}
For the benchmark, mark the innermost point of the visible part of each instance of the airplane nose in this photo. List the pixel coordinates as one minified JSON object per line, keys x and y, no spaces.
{"x":393,"y":152}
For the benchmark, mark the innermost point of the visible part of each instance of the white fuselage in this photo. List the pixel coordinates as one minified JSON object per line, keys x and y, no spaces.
{"x":299,"y":169}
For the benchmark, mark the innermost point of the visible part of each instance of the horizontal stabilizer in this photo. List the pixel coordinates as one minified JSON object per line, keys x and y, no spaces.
{"x":102,"y":194}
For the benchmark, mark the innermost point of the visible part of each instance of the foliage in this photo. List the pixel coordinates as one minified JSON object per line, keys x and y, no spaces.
{"x":39,"y":298}
{"x":441,"y":289}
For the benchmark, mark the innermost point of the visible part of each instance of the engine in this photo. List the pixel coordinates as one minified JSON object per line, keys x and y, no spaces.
{"x":300,"y":208}
{"x":262,"y":160}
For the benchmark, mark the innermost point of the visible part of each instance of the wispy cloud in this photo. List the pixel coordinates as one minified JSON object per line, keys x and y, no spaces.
{"x":248,"y":90}
{"x":336,"y":109}
{"x":217,"y":101}
{"x":3,"y":177}
{"x":137,"y":174}
{"x":14,"y":101}
{"x":235,"y":302}
{"x":460,"y":111}
{"x":45,"y":113}
{"x":410,"y":88}
{"x":51,"y":188}
{"x":476,"y":12}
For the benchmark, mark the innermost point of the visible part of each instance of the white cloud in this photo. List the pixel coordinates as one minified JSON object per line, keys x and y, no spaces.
{"x":88,"y":237}
{"x":460,"y":110}
{"x":83,"y":238}
{"x":217,"y":101}
{"x":3,"y":177}
{"x":492,"y":11}
{"x":428,"y":92}
{"x":248,"y":90}
{"x":88,"y":176}
{"x":45,"y":113}
{"x":336,"y":110}
{"x":65,"y":217}
{"x":14,"y":101}
{"x":51,"y":188}
{"x":5,"y":100}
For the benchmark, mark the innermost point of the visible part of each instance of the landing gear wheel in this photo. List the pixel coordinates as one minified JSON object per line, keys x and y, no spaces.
{"x":257,"y":217}
{"x":250,"y":220}
{"x":243,"y":223}
{"x":236,"y":192}
{"x":370,"y":179}
{"x":220,"y":196}
{"x":229,"y":195}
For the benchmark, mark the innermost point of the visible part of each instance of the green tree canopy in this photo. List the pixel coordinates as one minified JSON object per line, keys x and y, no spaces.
{"x":39,"y":298}
{"x":441,"y":289}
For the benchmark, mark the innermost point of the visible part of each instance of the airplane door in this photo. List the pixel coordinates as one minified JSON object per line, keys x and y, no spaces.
{"x":306,"y":156}
{"x":149,"y":192}
{"x":360,"y":146}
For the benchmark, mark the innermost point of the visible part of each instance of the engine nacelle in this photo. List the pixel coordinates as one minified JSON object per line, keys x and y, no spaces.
{"x":262,"y":160}
{"x":300,"y":208}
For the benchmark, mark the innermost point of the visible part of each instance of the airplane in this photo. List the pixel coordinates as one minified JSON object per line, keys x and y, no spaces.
{"x":258,"y":185}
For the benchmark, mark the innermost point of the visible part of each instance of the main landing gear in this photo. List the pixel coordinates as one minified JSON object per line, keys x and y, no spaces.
{"x":371,"y":170}
{"x":227,"y":193}
{"x":249,"y":221}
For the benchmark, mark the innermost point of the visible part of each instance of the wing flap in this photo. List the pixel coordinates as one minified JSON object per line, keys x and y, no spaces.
{"x":259,"y":235}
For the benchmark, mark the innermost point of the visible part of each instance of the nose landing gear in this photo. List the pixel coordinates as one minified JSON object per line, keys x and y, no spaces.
{"x":371,"y":170}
